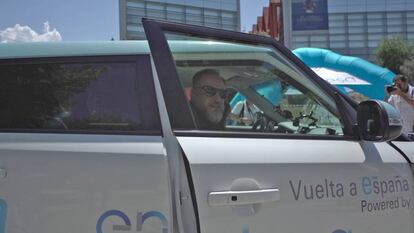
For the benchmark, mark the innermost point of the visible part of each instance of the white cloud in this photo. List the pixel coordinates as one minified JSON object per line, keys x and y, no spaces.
{"x":20,"y":33}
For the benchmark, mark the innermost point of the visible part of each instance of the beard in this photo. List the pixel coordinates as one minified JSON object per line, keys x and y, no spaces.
{"x":212,"y":112}
{"x":215,"y":115}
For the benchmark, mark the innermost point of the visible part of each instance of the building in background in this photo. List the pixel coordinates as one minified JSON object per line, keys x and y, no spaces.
{"x":349,"y":27}
{"x":224,"y":14}
{"x":271,"y":22}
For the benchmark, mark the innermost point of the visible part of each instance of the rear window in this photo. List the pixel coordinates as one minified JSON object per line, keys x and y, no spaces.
{"x":106,"y":95}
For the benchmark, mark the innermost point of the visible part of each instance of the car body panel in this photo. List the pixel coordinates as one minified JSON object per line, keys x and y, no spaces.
{"x":59,"y":182}
{"x":297,"y":168}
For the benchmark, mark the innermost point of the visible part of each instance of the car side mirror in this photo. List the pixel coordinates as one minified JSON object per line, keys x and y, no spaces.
{"x":378,"y":121}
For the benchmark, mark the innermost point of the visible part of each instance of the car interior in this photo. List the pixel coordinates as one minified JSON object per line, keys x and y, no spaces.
{"x":285,"y":105}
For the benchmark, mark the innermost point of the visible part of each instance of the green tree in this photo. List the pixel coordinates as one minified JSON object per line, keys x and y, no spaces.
{"x":391,"y":53}
{"x":408,"y":70}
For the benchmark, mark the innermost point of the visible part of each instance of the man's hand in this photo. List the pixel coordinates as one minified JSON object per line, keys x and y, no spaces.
{"x":386,"y":90}
{"x":246,"y":121}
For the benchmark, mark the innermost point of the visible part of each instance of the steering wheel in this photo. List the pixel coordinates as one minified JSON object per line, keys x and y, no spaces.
{"x":305,"y":129}
{"x":262,"y":123}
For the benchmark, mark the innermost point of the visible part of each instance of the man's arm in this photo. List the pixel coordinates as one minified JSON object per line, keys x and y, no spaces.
{"x":408,"y":99}
{"x":235,"y":112}
{"x":406,"y":96}
{"x":237,"y":108}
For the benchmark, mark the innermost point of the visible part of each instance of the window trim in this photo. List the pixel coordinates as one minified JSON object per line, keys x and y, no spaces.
{"x":147,"y":88}
{"x":257,"y":134}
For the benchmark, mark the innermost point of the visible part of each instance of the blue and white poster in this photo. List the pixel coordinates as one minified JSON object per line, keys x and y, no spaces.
{"x":309,"y":15}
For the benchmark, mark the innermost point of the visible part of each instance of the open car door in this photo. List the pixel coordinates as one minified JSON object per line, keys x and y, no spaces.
{"x":301,"y":169}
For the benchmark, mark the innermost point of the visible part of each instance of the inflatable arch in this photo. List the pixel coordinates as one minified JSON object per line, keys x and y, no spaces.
{"x":372,"y":78}
{"x":376,"y":76}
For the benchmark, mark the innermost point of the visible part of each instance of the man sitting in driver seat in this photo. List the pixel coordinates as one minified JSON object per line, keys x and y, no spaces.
{"x":209,"y":100}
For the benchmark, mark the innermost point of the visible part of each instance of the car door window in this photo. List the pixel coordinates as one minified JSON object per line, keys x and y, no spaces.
{"x":264,"y":91}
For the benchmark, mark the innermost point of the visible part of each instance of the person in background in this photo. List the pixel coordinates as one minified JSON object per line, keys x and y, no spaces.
{"x":401,"y":96}
{"x":244,"y":112}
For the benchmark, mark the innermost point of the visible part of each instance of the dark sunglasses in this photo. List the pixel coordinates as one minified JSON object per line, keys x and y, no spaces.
{"x":212,"y":91}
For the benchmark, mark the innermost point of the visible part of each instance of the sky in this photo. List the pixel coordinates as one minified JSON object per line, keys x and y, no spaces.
{"x":78,"y":20}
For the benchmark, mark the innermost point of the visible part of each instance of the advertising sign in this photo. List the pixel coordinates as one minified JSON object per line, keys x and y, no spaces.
{"x":309,"y":15}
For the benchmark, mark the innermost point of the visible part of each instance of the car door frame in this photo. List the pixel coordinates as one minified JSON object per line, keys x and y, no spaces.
{"x":178,"y":109}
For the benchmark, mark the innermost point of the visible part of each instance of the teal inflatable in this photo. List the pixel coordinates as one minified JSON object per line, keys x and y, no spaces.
{"x":270,"y":90}
{"x":377,"y":76}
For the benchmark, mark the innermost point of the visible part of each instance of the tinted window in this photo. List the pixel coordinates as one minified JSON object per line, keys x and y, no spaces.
{"x":92,"y":95}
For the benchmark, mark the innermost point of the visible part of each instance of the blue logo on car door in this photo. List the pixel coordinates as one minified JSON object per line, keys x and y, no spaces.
{"x":127,"y":226}
{"x":342,"y":231}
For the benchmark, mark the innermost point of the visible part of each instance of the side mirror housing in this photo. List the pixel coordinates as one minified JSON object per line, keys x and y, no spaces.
{"x":378,"y":121}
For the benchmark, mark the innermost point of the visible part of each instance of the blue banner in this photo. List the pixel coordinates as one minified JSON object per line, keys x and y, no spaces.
{"x":309,"y":15}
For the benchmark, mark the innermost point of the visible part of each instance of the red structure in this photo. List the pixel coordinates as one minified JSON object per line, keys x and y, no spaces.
{"x":270,"y":23}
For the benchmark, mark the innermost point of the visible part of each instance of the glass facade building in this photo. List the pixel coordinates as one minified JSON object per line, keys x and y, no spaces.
{"x":224,"y":14}
{"x":357,"y":26}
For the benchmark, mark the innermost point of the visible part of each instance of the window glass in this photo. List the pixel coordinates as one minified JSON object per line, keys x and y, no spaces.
{"x":135,"y":11}
{"x":135,"y":4}
{"x":355,"y":16}
{"x":229,"y":15}
{"x":73,"y":96}
{"x":337,"y":44}
{"x":135,"y":28}
{"x":356,"y":37}
{"x":375,"y":22}
{"x":301,"y":38}
{"x":175,"y":13}
{"x":318,"y":38}
{"x":155,"y":6}
{"x":301,"y":44}
{"x":336,"y":23}
{"x":193,"y":11}
{"x":356,"y":29}
{"x":319,"y":44}
{"x":337,"y":30}
{"x":377,"y":16}
{"x":211,"y":18}
{"x":356,"y":44}
{"x":173,"y":8}
{"x":134,"y":19}
{"x":375,"y":29}
{"x":395,"y":28}
{"x":375,"y":37}
{"x":236,"y":87}
{"x":356,"y":22}
{"x":336,"y":38}
{"x":338,"y":17}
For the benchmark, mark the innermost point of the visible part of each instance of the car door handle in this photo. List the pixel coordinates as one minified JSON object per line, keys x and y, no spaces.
{"x":229,"y":198}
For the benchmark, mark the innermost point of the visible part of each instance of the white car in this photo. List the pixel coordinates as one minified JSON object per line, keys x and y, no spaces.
{"x":100,"y":137}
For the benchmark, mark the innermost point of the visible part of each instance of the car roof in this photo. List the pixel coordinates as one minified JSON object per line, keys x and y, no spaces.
{"x":98,"y":48}
{"x":68,"y":49}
